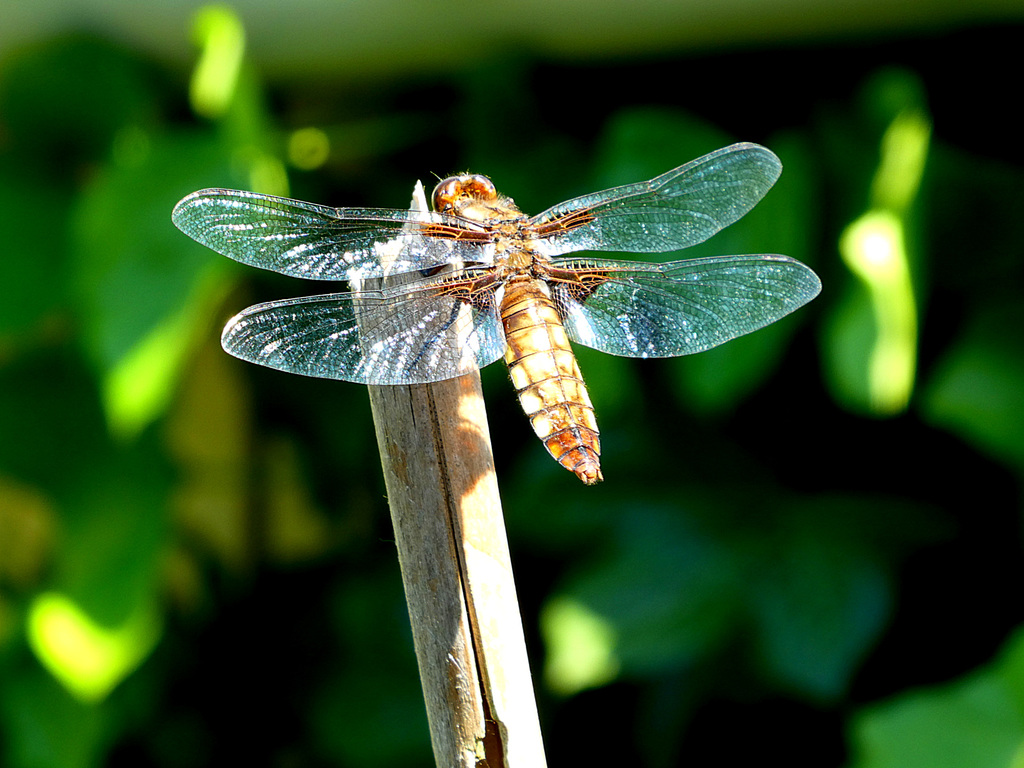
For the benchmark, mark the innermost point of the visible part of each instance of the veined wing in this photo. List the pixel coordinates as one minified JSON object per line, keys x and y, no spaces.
{"x":318,"y":242}
{"x":637,"y":309}
{"x":405,"y":335}
{"x":678,"y":209}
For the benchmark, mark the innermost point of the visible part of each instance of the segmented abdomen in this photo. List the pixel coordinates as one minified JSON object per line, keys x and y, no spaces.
{"x":548,"y":380}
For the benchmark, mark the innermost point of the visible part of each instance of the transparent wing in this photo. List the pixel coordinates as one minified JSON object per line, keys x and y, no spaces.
{"x":322,"y":243}
{"x":394,"y":336}
{"x":636,"y":309}
{"x":678,"y":209}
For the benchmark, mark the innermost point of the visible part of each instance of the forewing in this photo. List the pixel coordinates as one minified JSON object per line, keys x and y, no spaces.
{"x":673,"y":211}
{"x":395,"y":336}
{"x":322,"y":243}
{"x":678,"y":308}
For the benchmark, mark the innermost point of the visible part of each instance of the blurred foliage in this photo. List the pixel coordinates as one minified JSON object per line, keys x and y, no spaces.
{"x":195,"y":557}
{"x":976,"y":720}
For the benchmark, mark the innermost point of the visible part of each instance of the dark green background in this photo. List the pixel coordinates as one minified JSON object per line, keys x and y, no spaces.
{"x":789,"y":577}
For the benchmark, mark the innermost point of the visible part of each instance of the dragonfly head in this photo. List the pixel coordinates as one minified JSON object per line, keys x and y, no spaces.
{"x":473,"y":197}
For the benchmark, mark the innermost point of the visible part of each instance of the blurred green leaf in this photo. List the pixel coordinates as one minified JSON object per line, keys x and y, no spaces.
{"x":806,"y":582}
{"x":221,"y":37}
{"x":580,"y":647}
{"x":848,"y":331}
{"x":974,"y":722}
{"x":819,"y":598}
{"x":64,"y":99}
{"x":100,"y":622}
{"x":641,"y":143}
{"x":45,"y":727}
{"x":669,"y":590}
{"x":976,"y":389}
{"x":42,"y":397}
{"x":227,"y":89}
{"x":374,"y":685}
{"x":115,"y":524}
{"x":373,"y":716}
{"x":534,"y":164}
{"x":132,"y":268}
{"x":145,"y":292}
{"x":871,"y":337}
{"x":89,"y":658}
{"x":34,"y":232}
{"x":28,"y":523}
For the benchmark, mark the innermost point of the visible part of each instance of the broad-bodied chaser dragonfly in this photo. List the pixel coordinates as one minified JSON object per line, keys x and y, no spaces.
{"x":506,"y":289}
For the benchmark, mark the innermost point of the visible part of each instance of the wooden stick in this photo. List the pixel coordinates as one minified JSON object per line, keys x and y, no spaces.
{"x":443,"y":494}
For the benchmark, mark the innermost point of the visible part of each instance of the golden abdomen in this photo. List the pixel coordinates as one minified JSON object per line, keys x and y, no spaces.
{"x":548,"y":380}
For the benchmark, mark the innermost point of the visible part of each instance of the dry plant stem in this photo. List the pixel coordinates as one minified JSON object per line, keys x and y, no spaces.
{"x":436,"y":454}
{"x":457,"y":574}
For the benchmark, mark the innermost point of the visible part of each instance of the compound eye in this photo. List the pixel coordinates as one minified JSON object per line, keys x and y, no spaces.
{"x":468,"y":185}
{"x":445,"y":193}
{"x":479,"y":187}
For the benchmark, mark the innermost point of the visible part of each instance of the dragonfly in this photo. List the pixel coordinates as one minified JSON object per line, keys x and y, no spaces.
{"x":438,"y":294}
